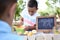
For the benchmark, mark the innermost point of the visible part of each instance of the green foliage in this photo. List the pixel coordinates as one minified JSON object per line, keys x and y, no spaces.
{"x":43,"y":13}
{"x":19,"y":8}
{"x":48,"y":4}
{"x":51,"y":10}
{"x":54,"y":1}
{"x":58,"y":10}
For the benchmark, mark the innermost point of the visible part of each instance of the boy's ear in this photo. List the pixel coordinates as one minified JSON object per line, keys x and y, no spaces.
{"x":12,"y":9}
{"x":37,"y":8}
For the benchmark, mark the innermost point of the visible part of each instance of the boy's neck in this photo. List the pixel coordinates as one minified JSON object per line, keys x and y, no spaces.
{"x":31,"y":14}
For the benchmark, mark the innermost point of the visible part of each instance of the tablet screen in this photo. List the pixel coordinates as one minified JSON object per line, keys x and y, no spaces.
{"x":46,"y":23}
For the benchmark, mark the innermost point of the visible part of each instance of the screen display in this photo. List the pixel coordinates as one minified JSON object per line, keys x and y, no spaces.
{"x":46,"y":23}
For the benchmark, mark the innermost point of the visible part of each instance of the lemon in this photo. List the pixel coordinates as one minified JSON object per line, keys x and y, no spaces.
{"x":34,"y":31}
{"x":30,"y":33}
{"x":26,"y":32}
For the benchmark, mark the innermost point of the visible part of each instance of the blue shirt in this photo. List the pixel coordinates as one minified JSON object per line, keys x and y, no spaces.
{"x":6,"y":34}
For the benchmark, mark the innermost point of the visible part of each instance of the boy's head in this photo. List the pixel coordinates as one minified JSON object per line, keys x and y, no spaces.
{"x":32,"y":7}
{"x":7,"y":9}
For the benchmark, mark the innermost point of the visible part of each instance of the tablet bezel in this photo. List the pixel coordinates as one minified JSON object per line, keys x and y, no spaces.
{"x":45,"y":30}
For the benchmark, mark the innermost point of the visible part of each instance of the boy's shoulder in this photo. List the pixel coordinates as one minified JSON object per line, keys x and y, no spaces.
{"x":10,"y":36}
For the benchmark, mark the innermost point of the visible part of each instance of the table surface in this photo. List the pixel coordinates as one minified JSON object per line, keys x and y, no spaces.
{"x":42,"y":36}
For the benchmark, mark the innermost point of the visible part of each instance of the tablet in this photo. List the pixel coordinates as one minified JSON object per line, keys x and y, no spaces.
{"x":45,"y":23}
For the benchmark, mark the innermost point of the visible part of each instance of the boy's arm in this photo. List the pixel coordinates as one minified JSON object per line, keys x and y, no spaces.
{"x":31,"y":27}
{"x":21,"y":21}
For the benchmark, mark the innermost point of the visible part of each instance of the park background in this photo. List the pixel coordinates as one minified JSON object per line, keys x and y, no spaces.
{"x":45,"y":7}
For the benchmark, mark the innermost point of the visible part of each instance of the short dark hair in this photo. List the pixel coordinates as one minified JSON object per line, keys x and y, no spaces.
{"x":4,"y":4}
{"x":32,"y":3}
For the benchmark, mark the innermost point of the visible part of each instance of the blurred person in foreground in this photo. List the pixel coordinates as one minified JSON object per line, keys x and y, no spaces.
{"x":7,"y":11}
{"x":28,"y":15}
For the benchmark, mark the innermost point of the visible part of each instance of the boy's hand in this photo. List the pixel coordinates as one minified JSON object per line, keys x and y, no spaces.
{"x":26,"y":28}
{"x":21,"y":21}
{"x":30,"y":27}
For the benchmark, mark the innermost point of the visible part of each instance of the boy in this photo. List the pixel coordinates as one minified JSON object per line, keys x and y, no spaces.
{"x":28,"y":16}
{"x":7,"y":11}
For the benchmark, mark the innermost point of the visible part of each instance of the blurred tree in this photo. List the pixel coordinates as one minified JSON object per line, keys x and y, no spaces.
{"x":52,"y":8}
{"x":19,"y":8}
{"x":58,"y":11}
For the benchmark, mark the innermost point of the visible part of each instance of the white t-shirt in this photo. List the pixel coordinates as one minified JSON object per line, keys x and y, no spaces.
{"x":28,"y":19}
